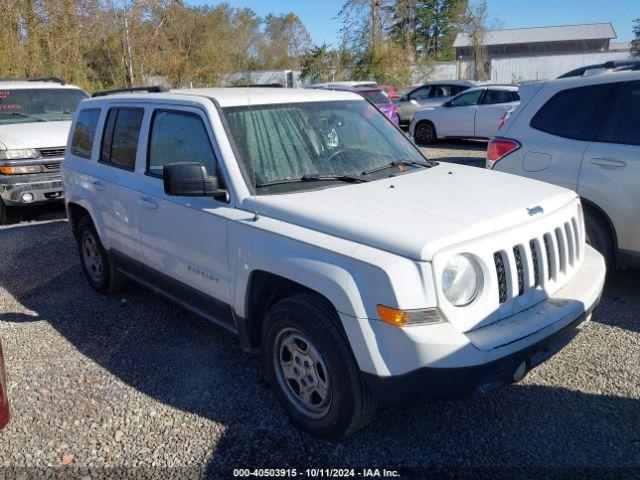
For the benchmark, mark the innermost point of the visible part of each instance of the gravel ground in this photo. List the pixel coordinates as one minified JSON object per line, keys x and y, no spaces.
{"x":130,"y":384}
{"x":466,"y":152}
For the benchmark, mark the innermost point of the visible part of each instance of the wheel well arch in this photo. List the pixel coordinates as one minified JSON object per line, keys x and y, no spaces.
{"x":75,"y":212}
{"x":589,"y":205}
{"x":264,"y":290}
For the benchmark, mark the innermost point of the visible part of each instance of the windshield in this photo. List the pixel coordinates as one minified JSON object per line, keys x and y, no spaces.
{"x":38,"y":104}
{"x":338,"y":138}
{"x":375,"y":96}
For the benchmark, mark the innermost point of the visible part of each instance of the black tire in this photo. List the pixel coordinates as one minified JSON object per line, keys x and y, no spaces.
{"x":106,"y":279}
{"x":6,"y":215}
{"x":425,"y":133}
{"x":599,"y":236}
{"x":350,"y":405}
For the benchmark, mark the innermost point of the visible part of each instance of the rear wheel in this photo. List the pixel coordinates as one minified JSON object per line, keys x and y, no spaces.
{"x":599,"y":236}
{"x":311,"y":369}
{"x":425,"y":133}
{"x":98,"y":267}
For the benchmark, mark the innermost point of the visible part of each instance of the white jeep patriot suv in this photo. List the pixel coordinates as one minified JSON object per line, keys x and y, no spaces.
{"x":35,"y":116}
{"x":308,"y":224}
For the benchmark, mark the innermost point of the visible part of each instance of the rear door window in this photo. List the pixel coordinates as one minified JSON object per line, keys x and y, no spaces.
{"x":497,"y":96}
{"x":120,"y":137}
{"x":85,"y":130}
{"x":576,"y":113}
{"x":439,"y":91}
{"x":622,"y":125}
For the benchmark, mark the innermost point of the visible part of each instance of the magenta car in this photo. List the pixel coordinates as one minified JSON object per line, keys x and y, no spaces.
{"x":380,"y":100}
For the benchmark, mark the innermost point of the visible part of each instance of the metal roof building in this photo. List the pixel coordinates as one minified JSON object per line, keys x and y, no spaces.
{"x":522,"y":54}
{"x":599,"y":33}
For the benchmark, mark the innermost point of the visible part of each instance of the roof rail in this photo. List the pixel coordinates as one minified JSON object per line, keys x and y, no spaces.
{"x":35,"y":79}
{"x":151,"y":89}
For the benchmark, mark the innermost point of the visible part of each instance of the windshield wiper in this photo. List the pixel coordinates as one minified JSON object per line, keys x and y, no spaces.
{"x":27,"y":115}
{"x":314,"y":177}
{"x":397,"y":163}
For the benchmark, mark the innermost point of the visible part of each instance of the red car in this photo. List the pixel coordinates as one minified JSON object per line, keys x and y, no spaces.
{"x":4,"y":401}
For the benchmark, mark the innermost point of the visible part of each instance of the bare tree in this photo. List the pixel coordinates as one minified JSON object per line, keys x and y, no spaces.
{"x":475,"y":26}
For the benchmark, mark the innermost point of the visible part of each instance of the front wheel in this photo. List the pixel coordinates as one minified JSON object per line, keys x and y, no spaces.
{"x":425,"y":133}
{"x":311,"y":369}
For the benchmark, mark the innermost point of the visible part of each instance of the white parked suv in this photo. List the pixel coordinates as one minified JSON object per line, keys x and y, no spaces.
{"x":35,"y":116}
{"x":474,"y":113}
{"x":298,"y":220}
{"x":583,"y":133}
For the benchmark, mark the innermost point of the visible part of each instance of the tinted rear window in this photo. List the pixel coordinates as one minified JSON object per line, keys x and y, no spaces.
{"x":497,"y":96}
{"x":576,"y":113}
{"x":120,"y":139}
{"x":623,"y":122}
{"x":375,"y":96}
{"x":85,"y":130}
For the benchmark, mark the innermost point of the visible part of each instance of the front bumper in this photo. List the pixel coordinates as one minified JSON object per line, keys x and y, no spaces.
{"x":454,"y":383}
{"x":440,"y":362}
{"x":44,"y":187}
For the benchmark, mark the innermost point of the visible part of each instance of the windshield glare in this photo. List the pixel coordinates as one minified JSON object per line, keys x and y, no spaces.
{"x":288,"y":141}
{"x":38,"y":104}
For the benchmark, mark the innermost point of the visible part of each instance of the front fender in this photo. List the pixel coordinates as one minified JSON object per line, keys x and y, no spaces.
{"x":353,"y":277}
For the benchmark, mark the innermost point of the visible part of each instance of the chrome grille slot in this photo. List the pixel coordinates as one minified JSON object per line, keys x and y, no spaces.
{"x":52,"y":152}
{"x":576,"y":237}
{"x":570,"y":243}
{"x":533,"y":245}
{"x":551,"y":264}
{"x":52,"y":167}
{"x":562,"y":250}
{"x":502,"y":276}
{"x":517,"y":254}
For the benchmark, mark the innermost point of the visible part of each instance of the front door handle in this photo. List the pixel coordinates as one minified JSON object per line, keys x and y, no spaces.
{"x":147,"y":203}
{"x":608,"y":162}
{"x":99,"y":186}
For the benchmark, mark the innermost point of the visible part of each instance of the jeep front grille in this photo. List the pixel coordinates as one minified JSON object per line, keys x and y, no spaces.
{"x":521,"y":269}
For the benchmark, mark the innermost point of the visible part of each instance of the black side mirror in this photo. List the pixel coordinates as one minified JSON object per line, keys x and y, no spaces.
{"x":191,"y":180}
{"x":447,"y":104}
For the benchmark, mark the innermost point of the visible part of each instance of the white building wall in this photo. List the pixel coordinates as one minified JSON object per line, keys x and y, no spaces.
{"x":522,"y":69}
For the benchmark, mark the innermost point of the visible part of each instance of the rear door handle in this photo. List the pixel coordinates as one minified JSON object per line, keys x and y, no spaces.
{"x":147,"y":203}
{"x":99,"y":186}
{"x":608,"y":162}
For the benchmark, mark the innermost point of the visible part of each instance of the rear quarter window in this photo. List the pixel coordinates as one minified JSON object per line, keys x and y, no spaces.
{"x":576,"y":113}
{"x":120,"y":137}
{"x":84,"y":132}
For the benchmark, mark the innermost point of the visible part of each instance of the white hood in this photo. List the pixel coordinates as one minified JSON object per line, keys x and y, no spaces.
{"x":417,"y":214}
{"x":34,"y":135}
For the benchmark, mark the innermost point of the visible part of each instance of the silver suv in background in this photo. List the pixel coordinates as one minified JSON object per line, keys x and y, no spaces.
{"x":583,"y":133}
{"x":35,"y":117}
{"x":429,"y":94}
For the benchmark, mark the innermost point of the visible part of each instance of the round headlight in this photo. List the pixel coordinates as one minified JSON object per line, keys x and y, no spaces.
{"x":461,"y":280}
